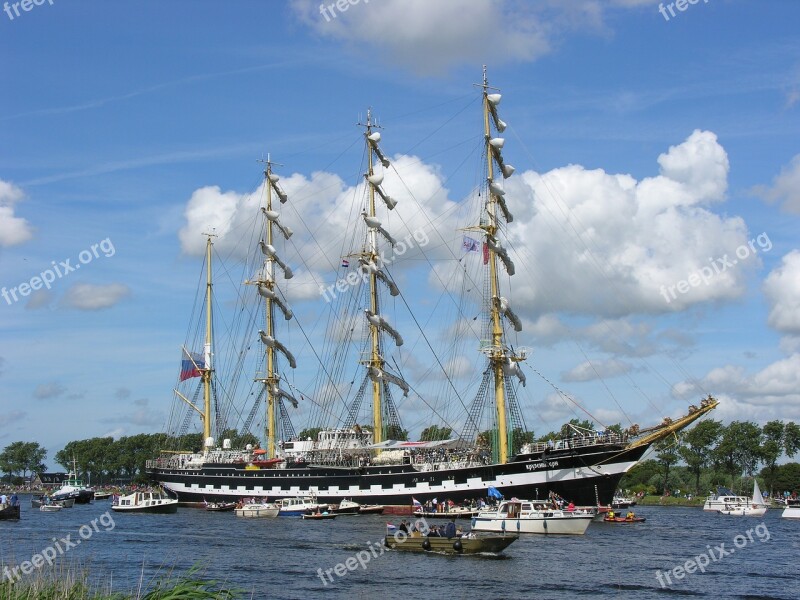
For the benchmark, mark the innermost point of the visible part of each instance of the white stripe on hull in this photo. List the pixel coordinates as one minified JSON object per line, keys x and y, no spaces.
{"x":375,"y":491}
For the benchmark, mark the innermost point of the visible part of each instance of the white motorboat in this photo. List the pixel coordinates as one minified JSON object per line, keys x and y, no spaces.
{"x":749,"y":508}
{"x":724,"y":497}
{"x":792,"y":510}
{"x":255,"y":510}
{"x":346,"y":507}
{"x":528,"y":516}
{"x":297,"y":507}
{"x":145,"y":502}
{"x":50,"y":507}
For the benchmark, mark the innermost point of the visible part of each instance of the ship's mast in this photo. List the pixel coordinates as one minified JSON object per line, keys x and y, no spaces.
{"x":270,"y":381}
{"x":375,"y":361}
{"x":207,"y":367}
{"x":371,"y":265}
{"x":502,"y":360}
{"x":267,"y":289}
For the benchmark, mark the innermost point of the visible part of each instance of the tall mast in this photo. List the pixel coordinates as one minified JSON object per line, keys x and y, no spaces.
{"x":268,"y":290}
{"x":207,"y":368}
{"x":370,"y":263}
{"x":269,"y":313}
{"x":376,"y":361}
{"x":502,"y":360}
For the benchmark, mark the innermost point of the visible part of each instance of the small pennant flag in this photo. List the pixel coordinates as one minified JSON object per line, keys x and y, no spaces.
{"x":415,"y":502}
{"x":485,"y":253}
{"x":345,"y":262}
{"x":470,"y":245}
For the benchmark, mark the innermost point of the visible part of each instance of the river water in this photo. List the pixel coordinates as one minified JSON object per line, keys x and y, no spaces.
{"x":280,"y":558}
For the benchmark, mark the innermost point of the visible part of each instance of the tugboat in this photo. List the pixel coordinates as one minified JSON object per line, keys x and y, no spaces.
{"x":73,"y":488}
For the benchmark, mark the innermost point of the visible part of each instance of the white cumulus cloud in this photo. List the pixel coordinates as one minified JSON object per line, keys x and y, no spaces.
{"x":88,"y":296}
{"x":13,"y":230}
{"x":782,"y":288}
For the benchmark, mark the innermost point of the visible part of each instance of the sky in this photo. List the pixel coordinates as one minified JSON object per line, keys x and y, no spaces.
{"x":656,"y":194}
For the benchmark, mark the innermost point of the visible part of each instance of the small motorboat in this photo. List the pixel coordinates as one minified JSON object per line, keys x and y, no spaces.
{"x":468,"y":544}
{"x":792,"y":510}
{"x":529,"y":516}
{"x":455,"y":512}
{"x":346,"y":507}
{"x":319,"y":516}
{"x":145,"y":502}
{"x":220,"y":506}
{"x":256,"y":510}
{"x":297,"y":507}
{"x":102,"y":495}
{"x":371,"y":509}
{"x":50,"y":507}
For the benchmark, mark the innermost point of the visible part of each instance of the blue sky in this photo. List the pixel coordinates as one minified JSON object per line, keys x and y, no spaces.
{"x":653,"y":144}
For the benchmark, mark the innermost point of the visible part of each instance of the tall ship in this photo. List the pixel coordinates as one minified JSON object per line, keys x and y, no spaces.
{"x":360,"y":386}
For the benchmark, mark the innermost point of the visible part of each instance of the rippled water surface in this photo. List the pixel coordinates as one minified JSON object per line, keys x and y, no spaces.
{"x":280,"y":558}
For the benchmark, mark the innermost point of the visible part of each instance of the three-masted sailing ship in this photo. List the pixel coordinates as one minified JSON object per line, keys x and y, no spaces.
{"x":372,"y":464}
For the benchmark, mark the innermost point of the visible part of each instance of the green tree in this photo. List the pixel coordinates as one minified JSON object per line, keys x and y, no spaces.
{"x":697,"y":445}
{"x":772,"y":449}
{"x":395,"y":432}
{"x":22,"y":457}
{"x":739,"y":449}
{"x":791,"y":439}
{"x":311,"y":432}
{"x":668,"y":455}
{"x":434,"y":433}
{"x":519,"y":438}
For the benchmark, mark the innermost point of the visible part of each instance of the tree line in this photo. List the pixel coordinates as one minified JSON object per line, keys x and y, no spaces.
{"x":711,"y":454}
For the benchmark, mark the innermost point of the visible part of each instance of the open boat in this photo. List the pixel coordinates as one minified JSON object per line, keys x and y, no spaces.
{"x":38,"y":501}
{"x":371,"y":509}
{"x":527,"y":516}
{"x":608,"y":519}
{"x":322,"y":516}
{"x":469,"y":544}
{"x":377,"y":465}
{"x":220,"y":506}
{"x":145,"y":502}
{"x":50,"y":508}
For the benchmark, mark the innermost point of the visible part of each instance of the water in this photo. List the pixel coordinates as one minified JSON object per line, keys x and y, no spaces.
{"x":279,"y":558}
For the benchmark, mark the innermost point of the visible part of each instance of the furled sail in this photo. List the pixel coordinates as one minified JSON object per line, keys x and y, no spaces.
{"x":511,"y":367}
{"x":270,"y":252}
{"x":505,"y":310}
{"x":500,"y":251}
{"x":273,"y":181}
{"x":371,"y":267}
{"x":271,"y":342}
{"x":266,"y":292}
{"x":381,"y":323}
{"x":499,"y":196}
{"x":374,"y":223}
{"x":274,"y":216}
{"x":279,"y":393}
{"x":377,"y":375}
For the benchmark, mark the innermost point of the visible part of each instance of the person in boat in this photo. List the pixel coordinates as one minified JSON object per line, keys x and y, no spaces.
{"x":403,"y":526}
{"x":434,"y":532}
{"x":611,"y":515}
{"x":459,"y":531}
{"x":450,"y":529}
{"x":14,"y":499}
{"x":630,"y":516}
{"x":571,"y":507}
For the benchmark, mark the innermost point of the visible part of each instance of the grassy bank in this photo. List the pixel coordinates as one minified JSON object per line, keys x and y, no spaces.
{"x":70,"y":584}
{"x":669,"y":501}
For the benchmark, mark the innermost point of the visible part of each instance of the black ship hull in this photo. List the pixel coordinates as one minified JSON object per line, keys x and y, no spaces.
{"x":586,"y":476}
